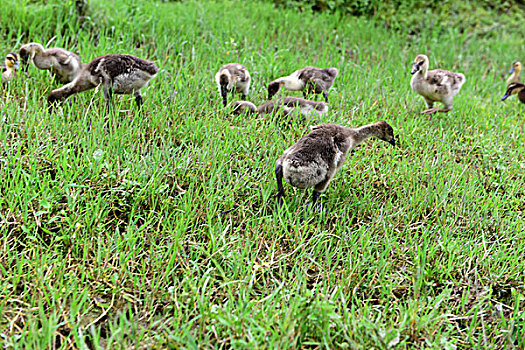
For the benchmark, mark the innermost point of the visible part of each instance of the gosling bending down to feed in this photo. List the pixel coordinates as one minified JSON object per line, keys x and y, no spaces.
{"x":11,"y":64}
{"x":286,"y":105}
{"x":435,"y":85}
{"x":62,"y":64}
{"x":308,"y":79}
{"x":316,"y":157}
{"x":119,"y":74}
{"x":233,"y":77}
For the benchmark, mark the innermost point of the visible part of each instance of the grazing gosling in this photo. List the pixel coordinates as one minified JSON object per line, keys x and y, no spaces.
{"x":11,"y":64}
{"x":435,"y":85}
{"x":308,"y":79}
{"x":315,"y":158}
{"x":513,"y":89}
{"x":64,"y":65}
{"x":515,"y":71}
{"x":233,"y":77}
{"x":285,"y":106}
{"x":119,"y":74}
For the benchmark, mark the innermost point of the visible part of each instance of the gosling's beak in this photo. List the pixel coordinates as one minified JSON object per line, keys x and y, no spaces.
{"x":511,"y":70}
{"x":415,"y":68}
{"x":393,"y":141}
{"x":505,"y":97}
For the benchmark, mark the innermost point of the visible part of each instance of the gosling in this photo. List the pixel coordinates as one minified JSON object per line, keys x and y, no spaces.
{"x":513,"y":89}
{"x":308,"y":79}
{"x":233,"y":77}
{"x":515,"y":71}
{"x":435,"y":85}
{"x":315,"y":158}
{"x":119,"y":74}
{"x":285,"y":106}
{"x":64,"y":65}
{"x":11,"y":64}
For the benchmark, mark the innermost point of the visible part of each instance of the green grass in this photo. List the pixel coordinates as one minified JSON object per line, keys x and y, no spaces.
{"x":162,"y":230}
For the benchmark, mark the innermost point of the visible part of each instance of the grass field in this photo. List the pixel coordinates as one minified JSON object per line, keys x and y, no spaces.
{"x":162,"y":230}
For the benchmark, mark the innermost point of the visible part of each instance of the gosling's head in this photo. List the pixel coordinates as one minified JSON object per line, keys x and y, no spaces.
{"x":516,"y":67}
{"x":513,"y":89}
{"x":28,"y":51}
{"x":11,"y":61}
{"x":241,"y":107}
{"x":385,"y":132}
{"x":420,"y":63}
{"x":273,"y":87}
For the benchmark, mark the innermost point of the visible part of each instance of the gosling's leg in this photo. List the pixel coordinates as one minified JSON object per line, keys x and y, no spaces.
{"x":445,"y":110}
{"x":279,"y":178}
{"x":305,"y":94}
{"x":315,"y":203}
{"x":430,"y":111}
{"x":139,"y":99}
{"x":224,"y":95}
{"x":325,"y":95}
{"x":107,"y":90}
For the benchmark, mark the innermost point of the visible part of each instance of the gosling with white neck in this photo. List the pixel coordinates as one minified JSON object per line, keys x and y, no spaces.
{"x":436,"y":85}
{"x":64,"y":65}
{"x":308,"y":79}
{"x":119,"y":74}
{"x":315,"y":158}
{"x":233,"y":77}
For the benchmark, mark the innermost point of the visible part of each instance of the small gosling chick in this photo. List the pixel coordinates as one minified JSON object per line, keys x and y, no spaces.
{"x":11,"y":64}
{"x":515,"y":71}
{"x":308,"y":79}
{"x":119,"y":74}
{"x":233,"y":77}
{"x":62,"y":64}
{"x":284,"y":105}
{"x":435,"y":85}
{"x":315,"y":158}
{"x":513,"y":89}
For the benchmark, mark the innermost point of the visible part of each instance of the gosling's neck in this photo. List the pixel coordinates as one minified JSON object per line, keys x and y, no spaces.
{"x":363,"y":133}
{"x":291,"y":82}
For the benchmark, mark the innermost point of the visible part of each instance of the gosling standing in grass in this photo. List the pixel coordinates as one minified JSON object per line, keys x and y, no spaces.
{"x":233,"y":77}
{"x":308,"y":79}
{"x":285,"y":106}
{"x":119,"y":74}
{"x":65,"y":66}
{"x":316,"y":157}
{"x":513,"y":89}
{"x":11,"y":64}
{"x":436,"y":85}
{"x":514,"y":72}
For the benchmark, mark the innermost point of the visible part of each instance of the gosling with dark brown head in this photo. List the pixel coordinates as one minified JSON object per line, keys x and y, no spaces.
{"x":315,"y":158}
{"x":233,"y":77}
{"x":11,"y":64}
{"x":513,"y":89}
{"x":308,"y":79}
{"x":285,"y":106}
{"x":119,"y":74}
{"x":64,"y":65}
{"x":436,"y":85}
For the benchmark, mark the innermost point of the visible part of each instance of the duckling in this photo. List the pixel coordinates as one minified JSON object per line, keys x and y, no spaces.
{"x":307,"y":79}
{"x":11,"y":64}
{"x":315,"y":158}
{"x":233,"y":77}
{"x":435,"y":85}
{"x":284,"y":105}
{"x":515,"y":70}
{"x":119,"y":74}
{"x":515,"y":88}
{"x":64,"y":65}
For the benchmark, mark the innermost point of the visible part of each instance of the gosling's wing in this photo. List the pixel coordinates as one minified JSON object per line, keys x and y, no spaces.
{"x":445,"y":82}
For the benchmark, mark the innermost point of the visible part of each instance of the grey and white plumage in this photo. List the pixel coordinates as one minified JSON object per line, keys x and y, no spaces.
{"x":64,"y":65}
{"x":285,"y":106}
{"x":233,"y":77}
{"x":308,"y":79}
{"x":119,"y":74}
{"x":436,"y":85}
{"x":315,"y":158}
{"x":11,"y":64}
